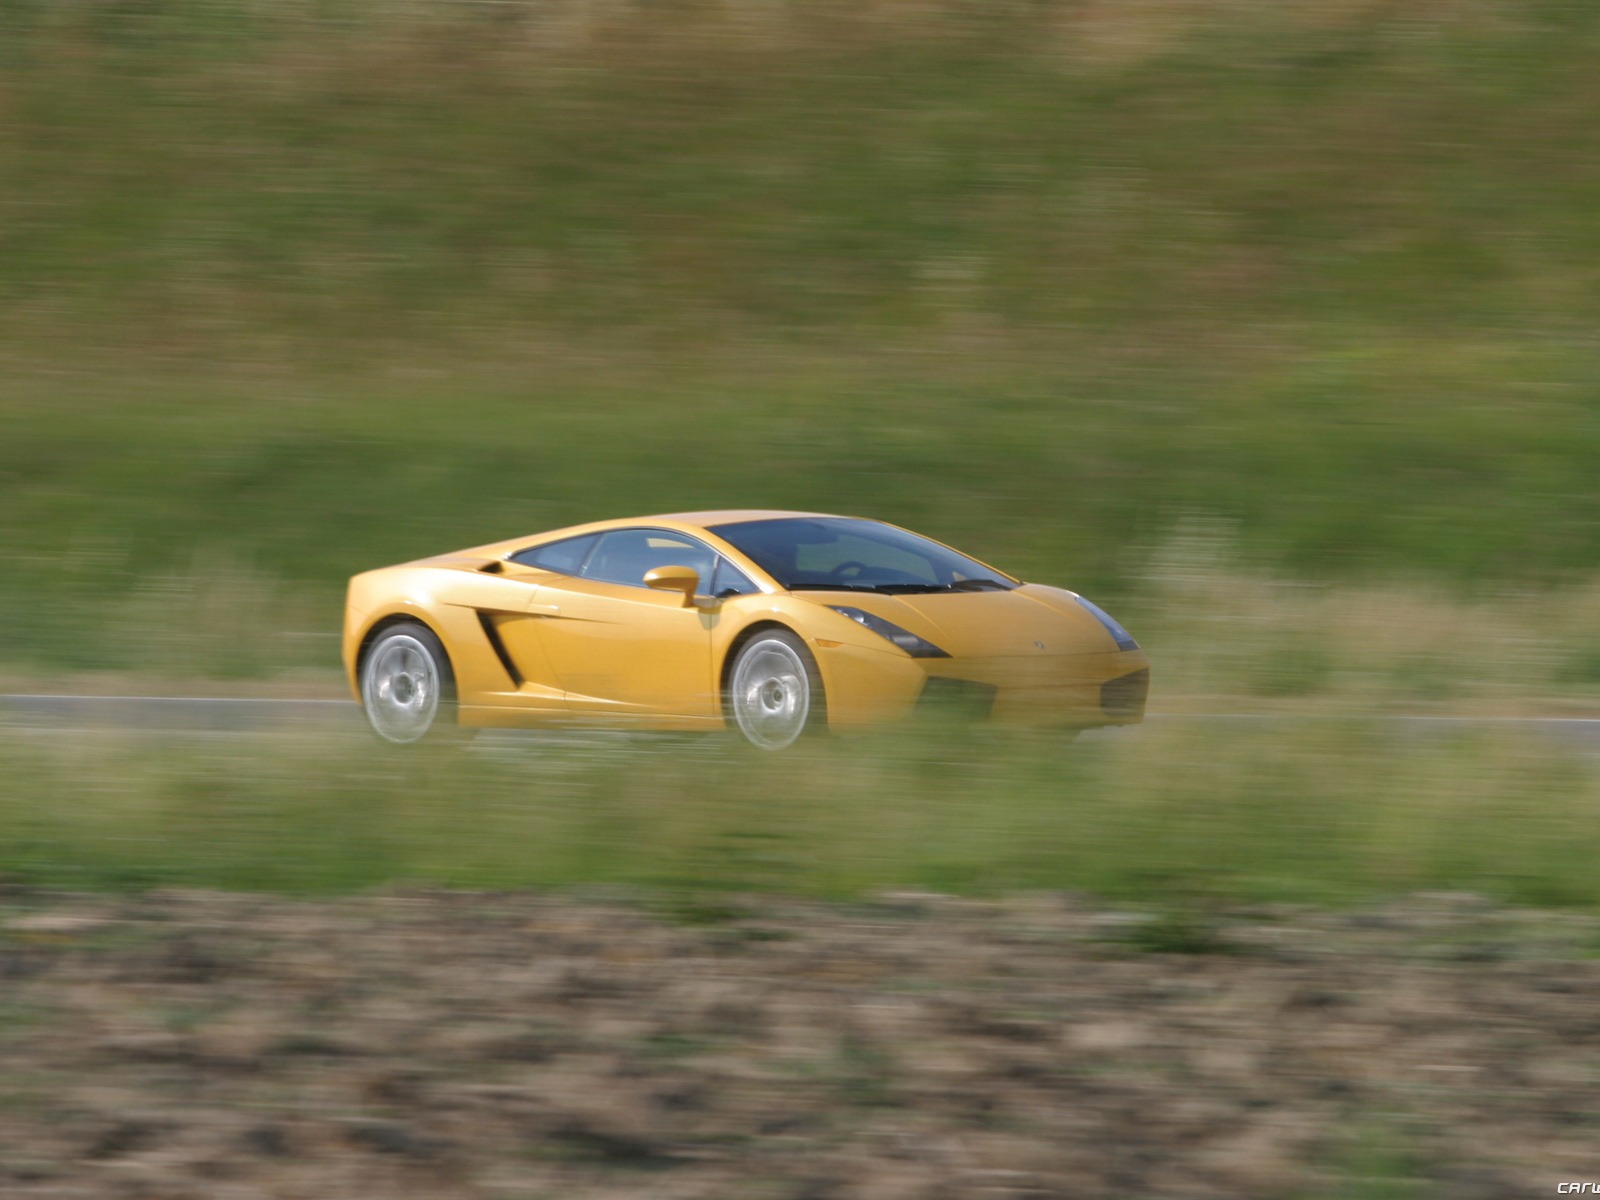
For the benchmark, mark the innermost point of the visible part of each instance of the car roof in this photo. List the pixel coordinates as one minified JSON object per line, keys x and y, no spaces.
{"x":687,"y":522}
{"x":728,"y":516}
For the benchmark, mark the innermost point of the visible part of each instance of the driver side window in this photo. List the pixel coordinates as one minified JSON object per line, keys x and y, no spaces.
{"x":728,"y":580}
{"x":624,"y":555}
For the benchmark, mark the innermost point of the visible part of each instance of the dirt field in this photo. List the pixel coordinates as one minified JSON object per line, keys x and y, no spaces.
{"x":475,"y":1045}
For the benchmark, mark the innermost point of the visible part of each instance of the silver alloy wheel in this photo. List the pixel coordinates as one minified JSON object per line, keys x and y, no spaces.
{"x":400,"y":686}
{"x":770,"y":693}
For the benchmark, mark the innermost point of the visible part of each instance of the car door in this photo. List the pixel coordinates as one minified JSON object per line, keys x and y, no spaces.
{"x":519,"y":674}
{"x":620,"y":647}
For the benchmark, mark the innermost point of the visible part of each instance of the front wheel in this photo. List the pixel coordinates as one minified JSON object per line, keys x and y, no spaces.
{"x":407,"y":686}
{"x":774,"y":690}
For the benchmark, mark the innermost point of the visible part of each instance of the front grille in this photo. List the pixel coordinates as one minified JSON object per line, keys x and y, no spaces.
{"x":957,"y":697}
{"x":1125,"y":695}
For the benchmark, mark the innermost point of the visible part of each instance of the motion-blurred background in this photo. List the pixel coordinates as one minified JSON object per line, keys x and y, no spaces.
{"x":1113,"y":294}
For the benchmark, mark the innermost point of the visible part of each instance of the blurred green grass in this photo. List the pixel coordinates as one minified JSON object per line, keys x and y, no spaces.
{"x":1179,"y":816}
{"x":292,"y":291}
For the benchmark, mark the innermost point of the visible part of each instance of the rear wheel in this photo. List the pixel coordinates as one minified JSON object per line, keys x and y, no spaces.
{"x":774,"y":691}
{"x":407,"y":687}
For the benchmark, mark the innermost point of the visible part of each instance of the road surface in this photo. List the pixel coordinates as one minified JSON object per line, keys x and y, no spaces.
{"x":215,"y":714}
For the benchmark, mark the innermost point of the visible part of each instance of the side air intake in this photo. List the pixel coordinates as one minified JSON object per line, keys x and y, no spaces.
{"x":499,"y":648}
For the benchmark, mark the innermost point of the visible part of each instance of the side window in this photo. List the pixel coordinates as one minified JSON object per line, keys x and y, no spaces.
{"x":564,"y":557}
{"x":728,"y":580}
{"x":624,"y":555}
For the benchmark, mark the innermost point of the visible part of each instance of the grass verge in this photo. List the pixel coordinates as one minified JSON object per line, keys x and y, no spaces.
{"x":1178,"y":816}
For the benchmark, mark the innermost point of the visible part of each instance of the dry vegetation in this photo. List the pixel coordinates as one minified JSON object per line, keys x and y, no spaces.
{"x":1228,"y":636}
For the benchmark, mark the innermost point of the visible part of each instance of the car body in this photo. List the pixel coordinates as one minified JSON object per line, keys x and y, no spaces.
{"x":648,"y":623}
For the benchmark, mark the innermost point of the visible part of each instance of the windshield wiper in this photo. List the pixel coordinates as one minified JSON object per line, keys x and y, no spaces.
{"x":980,"y":585}
{"x":960,"y":585}
{"x":907,"y":589}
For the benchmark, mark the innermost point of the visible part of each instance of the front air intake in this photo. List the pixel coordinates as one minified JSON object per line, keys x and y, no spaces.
{"x":1125,"y":695}
{"x":962,"y":698}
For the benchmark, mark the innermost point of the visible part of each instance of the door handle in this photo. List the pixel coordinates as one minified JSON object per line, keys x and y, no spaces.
{"x":545,"y":610}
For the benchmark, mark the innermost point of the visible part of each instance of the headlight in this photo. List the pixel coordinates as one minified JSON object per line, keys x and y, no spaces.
{"x":1124,"y":638}
{"x":909,"y":642}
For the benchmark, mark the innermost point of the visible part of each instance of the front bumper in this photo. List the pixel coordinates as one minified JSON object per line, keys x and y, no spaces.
{"x":1069,"y":690}
{"x":1075,"y":691}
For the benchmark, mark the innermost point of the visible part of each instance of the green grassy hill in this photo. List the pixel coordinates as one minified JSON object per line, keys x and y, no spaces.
{"x":289,"y":291}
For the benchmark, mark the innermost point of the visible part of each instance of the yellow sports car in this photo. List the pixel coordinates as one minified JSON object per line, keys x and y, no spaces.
{"x":774,"y":624}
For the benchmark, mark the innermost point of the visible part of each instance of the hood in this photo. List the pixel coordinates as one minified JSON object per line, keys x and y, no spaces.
{"x":987,"y":624}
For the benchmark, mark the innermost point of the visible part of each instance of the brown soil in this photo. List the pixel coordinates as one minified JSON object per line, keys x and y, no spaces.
{"x":470,"y":1045}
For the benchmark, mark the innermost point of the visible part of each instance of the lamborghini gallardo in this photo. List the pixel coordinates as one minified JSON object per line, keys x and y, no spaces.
{"x":770,"y":624}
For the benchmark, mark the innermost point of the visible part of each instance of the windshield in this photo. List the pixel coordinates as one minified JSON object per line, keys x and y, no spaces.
{"x":850,"y":555}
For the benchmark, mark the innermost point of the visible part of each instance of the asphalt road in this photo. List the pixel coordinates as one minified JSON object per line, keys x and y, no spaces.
{"x":184,"y":714}
{"x":173,"y":713}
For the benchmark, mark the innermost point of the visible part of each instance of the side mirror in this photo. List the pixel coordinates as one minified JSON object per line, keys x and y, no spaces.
{"x":674,"y":579}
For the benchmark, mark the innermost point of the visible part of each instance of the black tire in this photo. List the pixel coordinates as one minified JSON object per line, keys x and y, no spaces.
{"x":408,"y":688}
{"x":774,"y":692}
